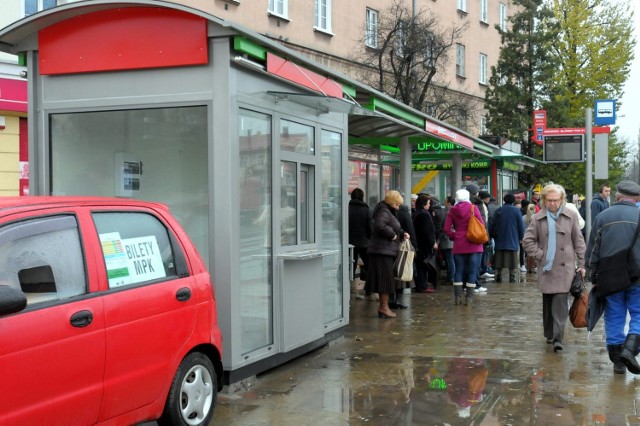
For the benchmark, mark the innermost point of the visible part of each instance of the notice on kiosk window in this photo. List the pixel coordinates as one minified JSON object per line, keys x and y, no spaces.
{"x":131,"y":260}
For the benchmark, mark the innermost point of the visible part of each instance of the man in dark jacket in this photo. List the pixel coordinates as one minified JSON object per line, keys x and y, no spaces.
{"x":600,"y":202}
{"x":406,"y":222}
{"x":426,"y":236}
{"x":507,"y":230}
{"x":360,"y":223}
{"x":613,"y":231}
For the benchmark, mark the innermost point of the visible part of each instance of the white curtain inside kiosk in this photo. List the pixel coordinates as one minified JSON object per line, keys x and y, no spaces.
{"x":256,"y":277}
{"x":155,"y":154}
{"x":332,"y":201}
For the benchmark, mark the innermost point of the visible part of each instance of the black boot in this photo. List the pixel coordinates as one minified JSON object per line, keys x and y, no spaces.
{"x":614,"y":356}
{"x":469,"y":299}
{"x":629,"y":352}
{"x":457,"y":294}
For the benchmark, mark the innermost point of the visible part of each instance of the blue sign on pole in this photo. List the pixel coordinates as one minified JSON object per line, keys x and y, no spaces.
{"x":605,"y":112}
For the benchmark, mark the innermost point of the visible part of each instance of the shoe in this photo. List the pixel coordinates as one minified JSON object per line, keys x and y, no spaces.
{"x":481,"y":289}
{"x":549,"y":341}
{"x":629,"y":352}
{"x":523,"y":269}
{"x":614,"y":356}
{"x":557,"y":346}
{"x":430,"y":290}
{"x":486,"y":275}
{"x":386,"y":315}
{"x":397,"y":305}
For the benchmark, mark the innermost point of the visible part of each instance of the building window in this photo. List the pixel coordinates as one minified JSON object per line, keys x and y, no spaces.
{"x":460,"y":60}
{"x":400,"y":38}
{"x":462,"y":5}
{"x":35,"y":6}
{"x":483,"y":69}
{"x":484,"y":11}
{"x":322,"y":15}
{"x":429,"y":52}
{"x":483,"y":125}
{"x":279,"y":7}
{"x":371,"y":28}
{"x":503,"y":17}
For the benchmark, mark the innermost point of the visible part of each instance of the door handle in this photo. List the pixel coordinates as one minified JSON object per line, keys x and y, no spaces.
{"x":81,"y":319}
{"x":183,"y":294}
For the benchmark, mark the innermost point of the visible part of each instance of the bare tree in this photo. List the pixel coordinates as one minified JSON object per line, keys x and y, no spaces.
{"x":407,"y":59}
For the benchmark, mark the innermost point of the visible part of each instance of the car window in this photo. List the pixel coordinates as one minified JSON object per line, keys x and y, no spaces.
{"x":43,"y":258}
{"x":136,"y":248}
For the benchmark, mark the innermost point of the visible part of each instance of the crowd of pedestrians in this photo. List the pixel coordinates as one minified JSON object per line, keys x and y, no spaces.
{"x":543,"y":235}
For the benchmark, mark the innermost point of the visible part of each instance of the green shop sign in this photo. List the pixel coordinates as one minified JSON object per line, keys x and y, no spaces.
{"x":484,"y":164}
{"x":436,"y":145}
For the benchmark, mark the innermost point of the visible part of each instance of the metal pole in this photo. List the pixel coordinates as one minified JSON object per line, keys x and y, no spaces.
{"x":588,"y":179}
{"x":405,"y":169}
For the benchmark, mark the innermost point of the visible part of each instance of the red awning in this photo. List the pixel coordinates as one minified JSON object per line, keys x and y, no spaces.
{"x":13,"y":95}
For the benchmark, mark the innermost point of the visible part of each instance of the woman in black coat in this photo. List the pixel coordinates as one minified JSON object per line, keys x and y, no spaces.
{"x":426,"y":236}
{"x":383,"y":250}
{"x":360,"y":223}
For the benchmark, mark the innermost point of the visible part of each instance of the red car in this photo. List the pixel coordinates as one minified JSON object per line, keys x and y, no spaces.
{"x":107,"y":315}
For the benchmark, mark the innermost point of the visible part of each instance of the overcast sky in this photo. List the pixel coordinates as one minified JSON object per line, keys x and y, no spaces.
{"x":629,"y":125}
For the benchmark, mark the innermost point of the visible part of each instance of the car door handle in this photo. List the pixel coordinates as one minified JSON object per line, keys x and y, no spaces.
{"x":81,"y":319}
{"x":183,"y":294}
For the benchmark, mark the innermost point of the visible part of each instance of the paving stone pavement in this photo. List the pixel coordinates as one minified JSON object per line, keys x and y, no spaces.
{"x":440,"y":364}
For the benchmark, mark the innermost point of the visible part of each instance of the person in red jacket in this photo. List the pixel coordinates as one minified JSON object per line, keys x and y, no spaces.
{"x":466,"y":254}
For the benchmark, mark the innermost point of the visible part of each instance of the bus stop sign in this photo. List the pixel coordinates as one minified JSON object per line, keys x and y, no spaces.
{"x":605,"y":112}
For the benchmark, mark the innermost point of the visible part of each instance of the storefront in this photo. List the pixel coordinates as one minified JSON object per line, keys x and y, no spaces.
{"x":246,"y":141}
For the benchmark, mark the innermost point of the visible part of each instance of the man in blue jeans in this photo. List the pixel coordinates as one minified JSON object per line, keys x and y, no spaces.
{"x":613,"y":230}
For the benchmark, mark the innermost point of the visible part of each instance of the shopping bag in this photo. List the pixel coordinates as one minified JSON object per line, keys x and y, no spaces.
{"x":578,"y":310}
{"x":403,"y":265}
{"x":476,"y":232}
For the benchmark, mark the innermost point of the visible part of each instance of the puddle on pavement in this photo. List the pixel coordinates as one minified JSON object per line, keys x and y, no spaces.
{"x":391,"y":390}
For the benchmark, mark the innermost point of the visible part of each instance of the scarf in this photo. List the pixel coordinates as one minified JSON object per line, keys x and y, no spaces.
{"x":551,"y":244}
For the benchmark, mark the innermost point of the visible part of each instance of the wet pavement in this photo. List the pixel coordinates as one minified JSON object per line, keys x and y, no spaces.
{"x":441,"y":364}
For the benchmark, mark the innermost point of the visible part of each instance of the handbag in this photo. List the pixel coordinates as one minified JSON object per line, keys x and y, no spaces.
{"x":577,"y":285}
{"x":476,"y":232}
{"x":403,"y":265}
{"x":578,"y":310}
{"x":619,"y":271}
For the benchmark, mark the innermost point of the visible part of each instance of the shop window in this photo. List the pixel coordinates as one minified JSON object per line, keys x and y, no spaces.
{"x":154,"y":154}
{"x":297,"y":203}
{"x":43,"y":258}
{"x":296,"y":137}
{"x":255,"y":233}
{"x":136,"y":248}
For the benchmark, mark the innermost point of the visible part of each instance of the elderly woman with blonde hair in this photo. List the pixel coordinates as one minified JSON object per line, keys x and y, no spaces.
{"x":554,"y":239}
{"x":383,"y":249}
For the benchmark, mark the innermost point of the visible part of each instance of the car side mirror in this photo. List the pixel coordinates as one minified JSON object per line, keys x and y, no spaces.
{"x":11,"y":300}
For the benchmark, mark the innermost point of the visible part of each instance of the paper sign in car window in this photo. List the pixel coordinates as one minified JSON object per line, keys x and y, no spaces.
{"x":115,"y":259}
{"x":144,"y":258}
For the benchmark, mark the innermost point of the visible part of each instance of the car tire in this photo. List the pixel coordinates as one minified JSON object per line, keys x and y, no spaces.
{"x":192,"y":397}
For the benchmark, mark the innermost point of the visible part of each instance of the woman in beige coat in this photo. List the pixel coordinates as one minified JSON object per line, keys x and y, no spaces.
{"x":554,"y":239}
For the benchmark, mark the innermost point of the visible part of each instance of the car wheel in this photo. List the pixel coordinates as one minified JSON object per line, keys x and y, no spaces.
{"x":192,"y":397}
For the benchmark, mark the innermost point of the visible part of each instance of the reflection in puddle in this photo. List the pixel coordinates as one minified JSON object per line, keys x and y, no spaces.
{"x":425,"y":390}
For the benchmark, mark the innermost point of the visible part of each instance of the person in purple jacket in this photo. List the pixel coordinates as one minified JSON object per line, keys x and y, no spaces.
{"x":466,"y":254}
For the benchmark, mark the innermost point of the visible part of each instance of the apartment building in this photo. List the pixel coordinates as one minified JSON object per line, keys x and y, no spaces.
{"x":332,"y":32}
